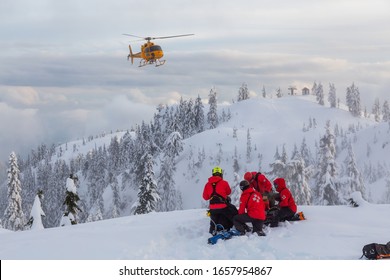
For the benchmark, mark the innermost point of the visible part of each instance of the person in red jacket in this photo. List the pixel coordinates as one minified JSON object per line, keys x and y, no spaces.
{"x":260,"y":183}
{"x":251,"y":210}
{"x":287,"y":206}
{"x":217,"y":192}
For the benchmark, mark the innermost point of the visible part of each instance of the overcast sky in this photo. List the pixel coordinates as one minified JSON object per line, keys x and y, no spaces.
{"x":64,"y":72}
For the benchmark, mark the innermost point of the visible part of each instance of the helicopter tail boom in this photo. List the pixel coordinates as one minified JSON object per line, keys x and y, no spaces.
{"x":132,"y":55}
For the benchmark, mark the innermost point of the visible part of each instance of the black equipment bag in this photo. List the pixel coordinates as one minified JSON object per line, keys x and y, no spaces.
{"x":375,"y":251}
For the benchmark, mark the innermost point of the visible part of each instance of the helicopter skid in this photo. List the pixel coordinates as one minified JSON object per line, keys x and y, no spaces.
{"x":160,"y":62}
{"x":157,"y":62}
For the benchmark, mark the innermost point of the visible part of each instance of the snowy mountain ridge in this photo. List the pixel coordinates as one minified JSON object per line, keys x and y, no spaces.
{"x":273,"y":125}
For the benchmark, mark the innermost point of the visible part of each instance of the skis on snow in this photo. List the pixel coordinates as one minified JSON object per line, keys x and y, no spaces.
{"x":223,"y":235}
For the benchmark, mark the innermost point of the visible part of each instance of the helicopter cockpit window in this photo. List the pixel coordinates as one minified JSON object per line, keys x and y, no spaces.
{"x":155,"y":48}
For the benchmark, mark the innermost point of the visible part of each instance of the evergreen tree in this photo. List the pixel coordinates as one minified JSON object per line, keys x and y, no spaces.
{"x":386,"y":111}
{"x":320,"y":94}
{"x":386,"y":198}
{"x":298,"y":176}
{"x":306,"y":153}
{"x":243,"y":93}
{"x":36,"y":214}
{"x":199,"y":115}
{"x":71,"y":199}
{"x":96,"y":211}
{"x":236,"y":191}
{"x":97,"y":174}
{"x":332,"y":96}
{"x":353,"y":180}
{"x":248,"y":146}
{"x":327,"y":184}
{"x":54,"y":191}
{"x":212,"y":115}
{"x":353,"y":100}
{"x":14,"y":218}
{"x":147,"y":193}
{"x":376,"y":110}
{"x":314,"y":89}
{"x":116,"y":200}
{"x":236,"y":165}
{"x":278,"y":167}
{"x":170,"y":196}
{"x":263,"y":93}
{"x":279,"y":93}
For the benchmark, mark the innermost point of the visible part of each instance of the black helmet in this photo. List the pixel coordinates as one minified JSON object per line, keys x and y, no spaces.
{"x":244,"y":184}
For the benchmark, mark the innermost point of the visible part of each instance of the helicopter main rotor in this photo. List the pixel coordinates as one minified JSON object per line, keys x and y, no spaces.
{"x":154,"y":38}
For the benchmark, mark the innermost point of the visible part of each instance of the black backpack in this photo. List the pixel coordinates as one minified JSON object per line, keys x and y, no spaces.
{"x":375,"y":251}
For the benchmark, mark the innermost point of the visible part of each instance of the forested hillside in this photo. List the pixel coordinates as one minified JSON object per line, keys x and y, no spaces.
{"x":324,"y":149}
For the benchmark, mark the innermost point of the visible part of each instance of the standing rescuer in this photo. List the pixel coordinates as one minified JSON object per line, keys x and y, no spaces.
{"x":217,"y":192}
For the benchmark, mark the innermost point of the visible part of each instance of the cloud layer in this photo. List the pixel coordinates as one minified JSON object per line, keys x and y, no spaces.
{"x":64,"y":72}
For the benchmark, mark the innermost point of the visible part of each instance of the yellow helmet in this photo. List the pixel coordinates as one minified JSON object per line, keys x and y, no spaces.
{"x":217,"y":171}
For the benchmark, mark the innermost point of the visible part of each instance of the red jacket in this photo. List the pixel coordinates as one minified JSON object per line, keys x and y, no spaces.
{"x":222,"y":188}
{"x":262,"y":184}
{"x":286,"y":198}
{"x":251,"y":202}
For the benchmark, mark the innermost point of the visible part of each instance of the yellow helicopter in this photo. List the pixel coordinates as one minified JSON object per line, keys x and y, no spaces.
{"x":150,"y":52}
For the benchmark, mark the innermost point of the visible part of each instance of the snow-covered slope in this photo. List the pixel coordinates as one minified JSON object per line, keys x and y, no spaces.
{"x":276,"y":124}
{"x":329,"y":233}
{"x":273,"y":123}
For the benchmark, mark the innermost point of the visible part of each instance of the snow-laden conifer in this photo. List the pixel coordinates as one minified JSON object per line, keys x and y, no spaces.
{"x":14,"y":218}
{"x":71,"y":207}
{"x":327,"y":185}
{"x":212,"y":115}
{"x":36,"y":214}
{"x":170,"y":196}
{"x":147,"y":197}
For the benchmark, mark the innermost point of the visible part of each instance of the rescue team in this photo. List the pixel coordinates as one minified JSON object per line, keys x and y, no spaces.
{"x":259,"y":205}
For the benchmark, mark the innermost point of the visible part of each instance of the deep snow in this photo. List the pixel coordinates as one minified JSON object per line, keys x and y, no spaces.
{"x":329,"y":233}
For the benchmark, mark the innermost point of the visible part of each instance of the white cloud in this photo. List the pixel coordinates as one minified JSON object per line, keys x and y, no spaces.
{"x":65,"y":62}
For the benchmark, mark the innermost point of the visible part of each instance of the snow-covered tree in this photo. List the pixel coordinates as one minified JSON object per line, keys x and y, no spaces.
{"x":199,"y":115}
{"x":243,"y":93}
{"x":326,"y":178}
{"x":279,"y":167}
{"x":332,"y":96}
{"x":386,"y":198}
{"x":306,"y":153}
{"x":212,"y":115}
{"x":320,"y":94}
{"x":248,"y":146}
{"x":116,"y":200}
{"x":36,"y":214}
{"x":352,"y":180}
{"x":147,"y":194}
{"x":386,"y":111}
{"x":298,"y":176}
{"x":236,"y":191}
{"x":263,"y":92}
{"x":353,"y":100}
{"x":96,"y":211}
{"x":71,"y":199}
{"x":236,"y":165}
{"x":314,"y":88}
{"x":14,"y":218}
{"x":170,"y":197}
{"x":279,"y":93}
{"x":376,"y":110}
